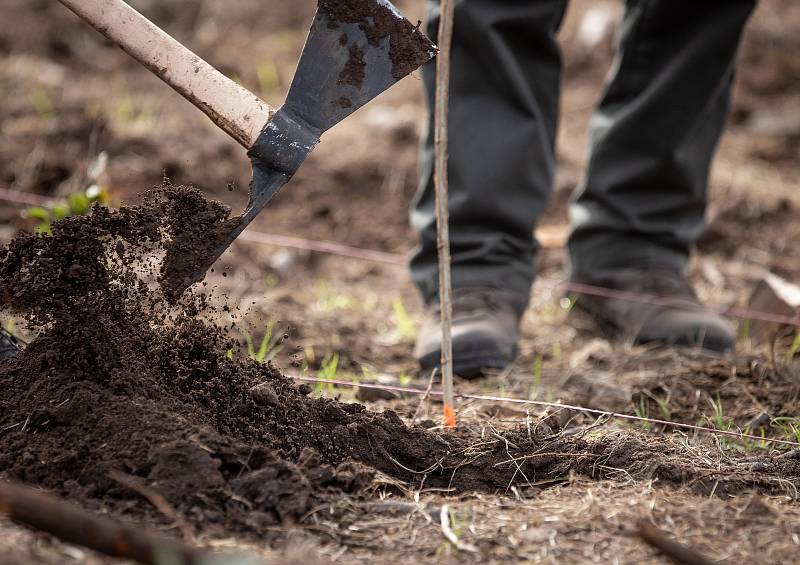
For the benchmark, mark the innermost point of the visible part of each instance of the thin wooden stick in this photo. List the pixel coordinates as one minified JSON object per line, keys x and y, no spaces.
{"x":677,"y":551}
{"x":442,"y":214}
{"x":424,"y":397}
{"x":73,"y":525}
{"x":156,"y":499}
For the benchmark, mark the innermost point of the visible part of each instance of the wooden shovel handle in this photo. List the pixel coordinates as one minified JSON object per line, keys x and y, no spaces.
{"x":236,"y":110}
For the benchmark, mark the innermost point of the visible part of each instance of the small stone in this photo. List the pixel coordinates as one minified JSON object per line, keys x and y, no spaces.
{"x":773,"y":295}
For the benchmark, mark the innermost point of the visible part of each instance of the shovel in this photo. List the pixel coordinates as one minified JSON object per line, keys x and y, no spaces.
{"x":355,"y":50}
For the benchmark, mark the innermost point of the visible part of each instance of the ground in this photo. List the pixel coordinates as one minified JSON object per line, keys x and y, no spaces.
{"x":68,"y":96}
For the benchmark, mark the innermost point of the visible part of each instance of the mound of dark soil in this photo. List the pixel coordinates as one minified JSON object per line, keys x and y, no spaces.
{"x":117,"y":381}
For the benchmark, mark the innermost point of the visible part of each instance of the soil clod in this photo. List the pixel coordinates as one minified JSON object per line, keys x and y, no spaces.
{"x":408,"y":47}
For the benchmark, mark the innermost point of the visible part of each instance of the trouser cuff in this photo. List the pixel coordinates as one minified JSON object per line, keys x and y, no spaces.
{"x":609,"y":251}
{"x":502,"y":278}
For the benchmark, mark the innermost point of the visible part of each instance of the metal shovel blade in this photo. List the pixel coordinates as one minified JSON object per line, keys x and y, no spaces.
{"x":356,"y":49}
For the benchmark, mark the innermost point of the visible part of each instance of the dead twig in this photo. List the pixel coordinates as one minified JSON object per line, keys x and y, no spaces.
{"x":516,"y":460}
{"x":157,"y":500}
{"x":509,"y":444}
{"x":424,"y":397}
{"x":677,"y":551}
{"x":73,"y":525}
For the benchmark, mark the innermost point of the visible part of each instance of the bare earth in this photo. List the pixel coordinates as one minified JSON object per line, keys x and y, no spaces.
{"x":67,"y":95}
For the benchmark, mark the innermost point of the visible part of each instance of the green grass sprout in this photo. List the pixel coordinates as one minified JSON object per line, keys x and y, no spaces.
{"x":404,"y":325}
{"x":269,"y":346}
{"x":327,"y":372}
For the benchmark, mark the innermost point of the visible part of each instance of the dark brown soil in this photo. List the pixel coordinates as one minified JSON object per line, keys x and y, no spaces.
{"x":197,"y":227}
{"x":102,"y":101}
{"x":354,"y":70}
{"x":748,"y":393}
{"x":724,"y":234}
{"x":115,"y":382}
{"x":408,"y":46}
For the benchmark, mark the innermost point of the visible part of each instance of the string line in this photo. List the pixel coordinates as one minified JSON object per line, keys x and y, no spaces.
{"x":542,"y":403}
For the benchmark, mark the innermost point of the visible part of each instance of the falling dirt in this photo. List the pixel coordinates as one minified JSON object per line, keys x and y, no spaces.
{"x":408,"y":46}
{"x":198,"y":227}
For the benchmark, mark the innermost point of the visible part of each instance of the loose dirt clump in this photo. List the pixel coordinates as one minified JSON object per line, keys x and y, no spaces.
{"x":354,"y":70}
{"x":198,"y":226}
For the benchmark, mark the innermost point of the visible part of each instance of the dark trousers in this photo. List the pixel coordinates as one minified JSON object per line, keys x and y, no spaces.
{"x":652,"y":138}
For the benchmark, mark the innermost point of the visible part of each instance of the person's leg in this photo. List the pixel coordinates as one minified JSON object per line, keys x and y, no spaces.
{"x":503,"y":113}
{"x":654,"y":134}
{"x":504,"y":94}
{"x":652,"y":140}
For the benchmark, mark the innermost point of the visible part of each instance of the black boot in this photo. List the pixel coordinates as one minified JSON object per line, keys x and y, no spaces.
{"x":653,"y":306}
{"x":9,"y":346}
{"x":485,"y":331}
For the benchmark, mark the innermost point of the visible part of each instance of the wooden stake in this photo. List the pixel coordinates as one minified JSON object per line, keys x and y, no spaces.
{"x":442,"y":214}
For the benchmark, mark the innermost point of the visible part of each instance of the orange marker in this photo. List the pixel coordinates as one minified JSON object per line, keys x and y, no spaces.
{"x":449,"y":417}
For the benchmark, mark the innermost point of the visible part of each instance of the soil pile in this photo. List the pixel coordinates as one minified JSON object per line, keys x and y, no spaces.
{"x":198,"y":227}
{"x":119,"y":381}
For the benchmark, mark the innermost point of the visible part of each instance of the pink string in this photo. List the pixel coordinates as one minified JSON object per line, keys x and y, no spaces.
{"x":322,"y":247}
{"x":439,"y":393}
{"x":25,"y":198}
